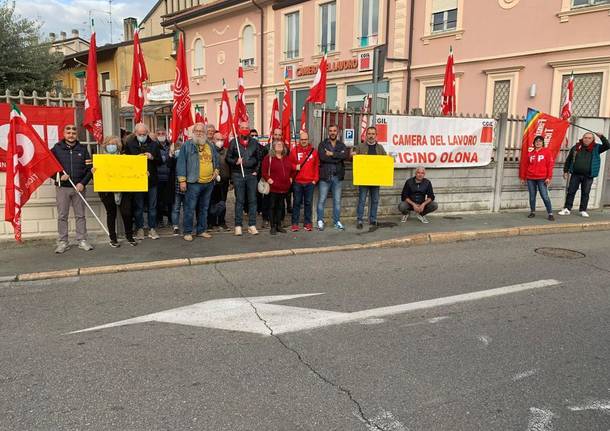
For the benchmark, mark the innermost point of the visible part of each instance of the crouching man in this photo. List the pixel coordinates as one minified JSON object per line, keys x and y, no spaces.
{"x":417,"y":195}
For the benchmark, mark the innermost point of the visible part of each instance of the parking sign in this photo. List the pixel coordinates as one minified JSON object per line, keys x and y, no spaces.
{"x":348,"y":137}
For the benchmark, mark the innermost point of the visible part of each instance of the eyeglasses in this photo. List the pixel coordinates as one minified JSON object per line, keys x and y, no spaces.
{"x":72,"y":128}
{"x":198,"y":131}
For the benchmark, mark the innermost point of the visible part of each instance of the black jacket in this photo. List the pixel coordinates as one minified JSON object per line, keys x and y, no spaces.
{"x":332,"y":165}
{"x":250,"y":156}
{"x":76,"y":162}
{"x":133,"y":148}
{"x":417,"y":192}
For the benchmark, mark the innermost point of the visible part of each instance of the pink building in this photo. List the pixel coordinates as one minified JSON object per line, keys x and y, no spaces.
{"x":509,"y":54}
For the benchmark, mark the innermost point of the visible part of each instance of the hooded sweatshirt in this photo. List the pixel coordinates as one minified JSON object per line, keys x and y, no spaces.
{"x":539,"y":165}
{"x":310,"y":170}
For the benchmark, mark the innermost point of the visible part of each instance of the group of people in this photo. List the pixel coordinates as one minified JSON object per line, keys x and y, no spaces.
{"x":194,"y":178}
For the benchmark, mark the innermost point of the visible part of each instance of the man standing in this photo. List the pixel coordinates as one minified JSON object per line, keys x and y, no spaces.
{"x":141,"y":144}
{"x":417,"y":195}
{"x":196,"y":170}
{"x":244,"y":158}
{"x":306,"y":163}
{"x":76,"y":163}
{"x":371,"y":148}
{"x":332,"y":153}
{"x":582,"y":166}
{"x":218,"y":201}
{"x":165,"y":184}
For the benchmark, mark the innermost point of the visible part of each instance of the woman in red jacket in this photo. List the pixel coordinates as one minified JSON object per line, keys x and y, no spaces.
{"x":277,"y":170}
{"x":538,"y":174}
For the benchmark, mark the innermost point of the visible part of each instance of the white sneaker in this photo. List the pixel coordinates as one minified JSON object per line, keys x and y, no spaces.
{"x":320,"y":224}
{"x":405,"y":217}
{"x":564,"y":211}
{"x":584,"y":214}
{"x":140,"y":234}
{"x":339,"y":226}
{"x":84,"y":245}
{"x":62,"y":247}
{"x":252,"y":230}
{"x":237,"y":230}
{"x":152,"y":234}
{"x":422,"y":219}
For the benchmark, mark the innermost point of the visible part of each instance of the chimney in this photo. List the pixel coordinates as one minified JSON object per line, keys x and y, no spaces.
{"x":63,"y":35}
{"x":52,"y":37}
{"x":74,"y":32}
{"x":129,"y":26}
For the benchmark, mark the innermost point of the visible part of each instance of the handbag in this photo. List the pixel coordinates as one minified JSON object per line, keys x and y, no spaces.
{"x":263,"y":186}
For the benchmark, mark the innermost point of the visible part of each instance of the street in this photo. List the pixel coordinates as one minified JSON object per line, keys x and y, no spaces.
{"x":479,"y":335}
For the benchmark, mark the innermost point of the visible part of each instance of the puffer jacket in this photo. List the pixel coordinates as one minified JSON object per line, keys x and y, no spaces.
{"x":76,"y":162}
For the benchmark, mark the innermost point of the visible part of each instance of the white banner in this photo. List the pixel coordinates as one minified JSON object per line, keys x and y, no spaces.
{"x":438,"y":142}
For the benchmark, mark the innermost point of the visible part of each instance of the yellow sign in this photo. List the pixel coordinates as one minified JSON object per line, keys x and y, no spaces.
{"x":114,"y":173}
{"x":373,"y":170}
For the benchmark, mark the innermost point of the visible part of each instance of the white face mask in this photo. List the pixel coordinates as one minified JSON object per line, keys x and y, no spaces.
{"x":161,"y":138}
{"x":219,"y":144}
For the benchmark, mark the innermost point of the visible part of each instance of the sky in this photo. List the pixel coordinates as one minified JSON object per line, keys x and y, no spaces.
{"x":65,"y":15}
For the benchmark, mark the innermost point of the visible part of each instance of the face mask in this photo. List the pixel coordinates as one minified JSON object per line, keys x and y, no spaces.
{"x":177,"y":152}
{"x":142,"y":139}
{"x":111,"y":148}
{"x":161,"y":138}
{"x":219,"y":144}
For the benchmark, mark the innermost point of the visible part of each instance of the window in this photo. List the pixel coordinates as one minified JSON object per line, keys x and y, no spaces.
{"x":129,"y":124}
{"x":501,"y":98}
{"x":434,"y":100}
{"x":250,"y":111}
{"x":106,"y":81}
{"x":328,"y":27}
{"x":162,"y":122}
{"x":247,"y":46}
{"x":292,"y":35}
{"x":584,"y":3}
{"x":198,"y":57}
{"x":357,"y":92}
{"x":587,"y":93}
{"x":444,"y":15}
{"x":369,"y":22}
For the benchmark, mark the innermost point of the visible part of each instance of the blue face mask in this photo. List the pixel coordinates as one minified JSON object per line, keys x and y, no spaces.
{"x":142,"y":138}
{"x":111,"y":148}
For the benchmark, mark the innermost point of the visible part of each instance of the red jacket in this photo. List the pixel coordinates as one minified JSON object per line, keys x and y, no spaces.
{"x":539,"y":165}
{"x":310,"y":171}
{"x":280,"y":171}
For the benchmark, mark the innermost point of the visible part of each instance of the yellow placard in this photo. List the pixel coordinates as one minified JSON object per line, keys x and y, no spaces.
{"x":373,"y":170}
{"x":117,"y":173}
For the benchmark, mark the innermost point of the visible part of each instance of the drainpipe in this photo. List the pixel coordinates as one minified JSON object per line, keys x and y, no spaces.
{"x":387,"y":38}
{"x":262,"y":65}
{"x":410,"y":55}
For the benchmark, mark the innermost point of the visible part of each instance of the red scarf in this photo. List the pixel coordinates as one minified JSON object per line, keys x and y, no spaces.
{"x":580,"y":146}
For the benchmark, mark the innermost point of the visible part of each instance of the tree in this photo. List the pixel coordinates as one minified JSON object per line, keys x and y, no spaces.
{"x":26,"y":63}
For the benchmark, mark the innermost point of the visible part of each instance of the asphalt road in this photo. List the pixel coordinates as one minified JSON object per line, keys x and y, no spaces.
{"x":535,"y":360}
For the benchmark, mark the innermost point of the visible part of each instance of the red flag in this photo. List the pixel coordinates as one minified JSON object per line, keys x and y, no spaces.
{"x":364,"y":121}
{"x":182,"y":117}
{"x":225,"y":122}
{"x":198,"y":116}
{"x":553,"y":130}
{"x":286,"y":114}
{"x":275,"y":122}
{"x":448,"y":106}
{"x":138,"y":76}
{"x":317,"y":91}
{"x":28,"y":164}
{"x":566,"y":109}
{"x":241,"y":113}
{"x":93,"y":113}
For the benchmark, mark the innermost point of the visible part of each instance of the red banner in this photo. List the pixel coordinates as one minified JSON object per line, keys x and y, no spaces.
{"x":48,"y":122}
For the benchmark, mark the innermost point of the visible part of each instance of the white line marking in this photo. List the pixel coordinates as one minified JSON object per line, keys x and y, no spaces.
{"x":524,"y":374}
{"x":372,"y":321}
{"x":603,"y":405}
{"x":540,"y":420}
{"x":484,"y":339}
{"x":437,"y":319}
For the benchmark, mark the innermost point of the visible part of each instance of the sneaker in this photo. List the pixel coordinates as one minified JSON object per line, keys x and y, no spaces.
{"x":280,"y":229}
{"x":152,"y":234}
{"x":62,"y":247}
{"x":339,"y":226}
{"x":176,"y":231}
{"x":273,"y":230}
{"x":224,"y":227}
{"x":132,"y":242}
{"x":373,"y":227}
{"x":308,"y":227}
{"x":320,"y":225}
{"x":531,"y":215}
{"x":188,"y":237}
{"x":237,"y":230}
{"x":550,"y":217}
{"x":84,"y":245}
{"x":140,"y":234}
{"x":584,"y":214}
{"x":252,"y":230}
{"x":405,"y":217}
{"x":422,"y":218}
{"x":114,"y":244}
{"x":564,"y":211}
{"x":294,"y":228}
{"x":204,"y":235}
{"x":359,"y":225}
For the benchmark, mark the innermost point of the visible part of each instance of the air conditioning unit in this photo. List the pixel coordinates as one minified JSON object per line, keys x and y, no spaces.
{"x":247,"y":62}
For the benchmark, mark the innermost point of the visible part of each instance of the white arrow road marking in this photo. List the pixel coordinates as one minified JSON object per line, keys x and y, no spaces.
{"x":237,"y":314}
{"x":540,"y":420}
{"x":602,"y":405}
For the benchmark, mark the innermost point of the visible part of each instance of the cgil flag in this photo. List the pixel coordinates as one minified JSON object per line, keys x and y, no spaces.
{"x":364,"y":121}
{"x":317,"y":91}
{"x":566,"y":109}
{"x":448,"y":106}
{"x":182,"y":117}
{"x":225,"y":122}
{"x":286,"y":114}
{"x":92,"y":120}
{"x":138,"y":76}
{"x":28,"y":164}
{"x":241,"y":113}
{"x":276,"y":122}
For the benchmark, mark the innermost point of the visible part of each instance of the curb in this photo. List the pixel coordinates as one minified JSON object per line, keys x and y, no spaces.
{"x":408,"y":241}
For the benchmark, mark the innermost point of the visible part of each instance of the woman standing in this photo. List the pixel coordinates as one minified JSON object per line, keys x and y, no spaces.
{"x":277,"y":171}
{"x":113,"y":200}
{"x":538,"y":175}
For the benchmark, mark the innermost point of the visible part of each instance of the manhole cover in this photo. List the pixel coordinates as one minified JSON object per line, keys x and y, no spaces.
{"x":452,"y":218}
{"x":562,"y":253}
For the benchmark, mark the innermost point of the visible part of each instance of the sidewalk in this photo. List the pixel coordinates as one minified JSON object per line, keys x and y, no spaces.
{"x":37,"y":255}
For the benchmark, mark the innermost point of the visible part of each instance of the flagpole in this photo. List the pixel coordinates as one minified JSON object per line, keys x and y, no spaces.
{"x":583,"y":128}
{"x":236,"y":139}
{"x":87,"y":203}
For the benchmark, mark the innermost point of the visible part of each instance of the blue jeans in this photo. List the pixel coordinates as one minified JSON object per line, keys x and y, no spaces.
{"x":242,"y":186}
{"x":197,"y":196}
{"x":324,"y":186}
{"x":532,"y":185}
{"x":302,"y":192}
{"x":179,"y":201}
{"x":373,"y":204}
{"x":152,"y":208}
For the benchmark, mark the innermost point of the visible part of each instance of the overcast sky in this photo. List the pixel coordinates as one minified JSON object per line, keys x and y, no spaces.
{"x":65,"y":15}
